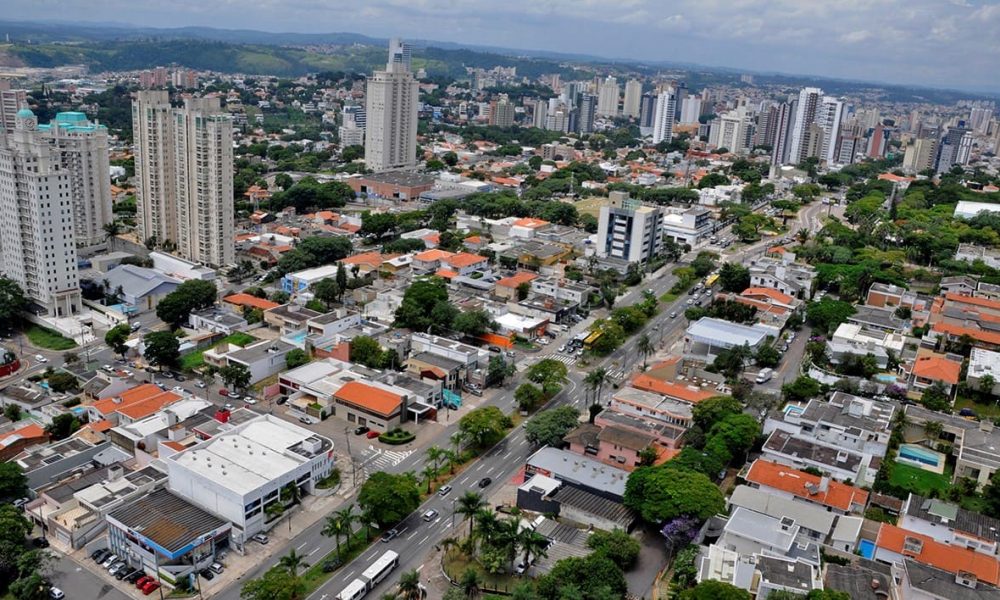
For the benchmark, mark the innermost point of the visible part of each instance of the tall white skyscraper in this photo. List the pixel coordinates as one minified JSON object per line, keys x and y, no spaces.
{"x":540,"y":110}
{"x":184,"y":175}
{"x":633,"y":98}
{"x":36,"y":218}
{"x":731,"y":131}
{"x":663,"y":119}
{"x":829,"y":115}
{"x":607,"y":98}
{"x":805,"y":115}
{"x":690,"y":110}
{"x":391,"y":107}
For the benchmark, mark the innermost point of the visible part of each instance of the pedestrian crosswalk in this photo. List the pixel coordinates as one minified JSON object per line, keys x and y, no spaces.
{"x":616,"y":374}
{"x":563,"y":358}
{"x":374,"y":459}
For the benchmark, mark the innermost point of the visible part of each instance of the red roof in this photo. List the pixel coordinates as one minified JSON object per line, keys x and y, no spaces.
{"x":973,"y":300}
{"x":464,"y":259}
{"x":250,"y":300}
{"x":774,"y":295}
{"x":531,"y":222}
{"x":517,"y":279}
{"x":780,"y":477}
{"x":988,"y":337}
{"x":937,"y":368}
{"x":432,"y":255}
{"x":370,"y":397}
{"x":927,"y":550}
{"x":28,"y":432}
{"x":672,"y":390}
{"x":446,"y":273}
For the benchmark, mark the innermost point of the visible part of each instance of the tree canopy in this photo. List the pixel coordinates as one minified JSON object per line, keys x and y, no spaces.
{"x":484,"y":426}
{"x":661,"y":493}
{"x":425,"y":306}
{"x":194,"y":294}
{"x":161,"y":348}
{"x":549,"y":427}
{"x":389,"y":497}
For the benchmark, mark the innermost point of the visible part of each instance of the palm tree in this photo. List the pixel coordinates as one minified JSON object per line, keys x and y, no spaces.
{"x":508,"y":537}
{"x":534,"y":544}
{"x":645,"y":347}
{"x":457,"y":439}
{"x":409,"y":585}
{"x":340,"y":524}
{"x":366,"y":518}
{"x":468,"y":505}
{"x":434,"y":456}
{"x":802,"y":235}
{"x":429,"y":473}
{"x":451,"y":457}
{"x":489,"y":527}
{"x":595,"y":382}
{"x":111,"y":231}
{"x":292,"y":562}
{"x":470,"y":583}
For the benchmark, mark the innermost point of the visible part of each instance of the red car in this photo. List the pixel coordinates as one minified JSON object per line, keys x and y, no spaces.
{"x":372,"y":435}
{"x":143,"y":581}
{"x":150,"y":587}
{"x":224,"y":392}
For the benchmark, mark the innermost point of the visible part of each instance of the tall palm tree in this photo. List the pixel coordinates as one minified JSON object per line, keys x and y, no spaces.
{"x":457,"y":439}
{"x":645,"y":347}
{"x":366,"y":517}
{"x":451,"y":457}
{"x":429,"y":473}
{"x":508,"y":537}
{"x":435,"y":455}
{"x":292,"y":562}
{"x":470,"y":583}
{"x":534,"y":544}
{"x":468,"y":505}
{"x":409,"y":585}
{"x":595,"y":382}
{"x":334,"y":528}
{"x":111,"y":231}
{"x":488,"y":526}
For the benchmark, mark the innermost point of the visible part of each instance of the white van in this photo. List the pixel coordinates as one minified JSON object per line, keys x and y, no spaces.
{"x":764,"y":375}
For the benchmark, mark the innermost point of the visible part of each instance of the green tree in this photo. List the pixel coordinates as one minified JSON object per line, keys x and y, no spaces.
{"x":734,"y":277}
{"x":296,"y":358}
{"x":523,"y":289}
{"x":409,"y":586}
{"x":547,"y":371}
{"x":292,"y":562}
{"x":34,"y":586}
{"x":767,"y":356}
{"x":327,"y":291}
{"x":663,"y":493}
{"x":711,"y":589}
{"x":423,"y":300}
{"x":365,"y":350}
{"x":12,"y":303}
{"x":594,"y":577}
{"x":340,"y":524}
{"x":194,"y":294}
{"x":235,"y":376}
{"x":827,"y":314}
{"x":62,"y":382}
{"x":594,"y":381}
{"x":283,"y":181}
{"x":528,"y":396}
{"x":12,"y":412}
{"x":707,"y":413}
{"x":549,"y":427}
{"x":498,"y":370}
{"x":704,"y":263}
{"x":484,"y":426}
{"x":936,"y":397}
{"x":738,"y":432}
{"x":116,"y":337}
{"x":450,"y":158}
{"x":63,"y":426}
{"x":473,"y":322}
{"x":162,"y":348}
{"x":276,"y":583}
{"x":389,"y":497}
{"x":802,"y":389}
{"x":712,"y":180}
{"x":616,"y":545}
{"x":13,"y":483}
{"x":378,"y":224}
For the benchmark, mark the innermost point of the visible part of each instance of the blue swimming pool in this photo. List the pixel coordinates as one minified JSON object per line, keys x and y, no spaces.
{"x":920,"y":454}
{"x":791,"y":410}
{"x":867,"y":548}
{"x":885,"y":378}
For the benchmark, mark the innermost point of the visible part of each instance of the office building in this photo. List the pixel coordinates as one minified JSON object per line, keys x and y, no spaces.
{"x":184,"y":175}
{"x":633,"y":99}
{"x":920,"y":155}
{"x":11,"y":101}
{"x":502,"y":112}
{"x":829,"y":115}
{"x":36,"y":218}
{"x":647,"y":111}
{"x":391,"y":113}
{"x":539,"y":114}
{"x":585,"y":114}
{"x":607,"y":97}
{"x":848,"y":148}
{"x":690,"y":110}
{"x":732,"y":131}
{"x":663,"y":120}
{"x":954,"y":148}
{"x":805,"y":114}
{"x":628,"y":230}
{"x":784,"y":119}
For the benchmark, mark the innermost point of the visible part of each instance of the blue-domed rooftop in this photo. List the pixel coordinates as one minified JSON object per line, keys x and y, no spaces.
{"x":25,"y":113}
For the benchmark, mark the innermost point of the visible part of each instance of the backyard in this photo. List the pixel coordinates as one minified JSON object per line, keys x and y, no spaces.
{"x":987,"y":410}
{"x":194,"y":360}
{"x":919,"y":481}
{"x":44,"y":337}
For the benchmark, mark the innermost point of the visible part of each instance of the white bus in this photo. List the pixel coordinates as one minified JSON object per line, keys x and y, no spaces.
{"x":380,"y":568}
{"x":354,"y":590}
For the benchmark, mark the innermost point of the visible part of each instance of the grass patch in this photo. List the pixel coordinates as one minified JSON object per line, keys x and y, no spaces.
{"x":455,"y":563}
{"x":919,"y":481}
{"x":668,"y":298}
{"x":350,"y":549}
{"x":43,"y":337}
{"x":196,"y":359}
{"x":984,"y":410}
{"x":591,"y":206}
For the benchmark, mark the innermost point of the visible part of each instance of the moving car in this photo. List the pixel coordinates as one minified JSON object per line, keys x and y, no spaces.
{"x":390,"y":535}
{"x":764,"y":376}
{"x":56,"y":593}
{"x":430,"y":515}
{"x":361,"y":430}
{"x":223,"y":392}
{"x":485,"y":482}
{"x":372,"y":435}
{"x":201,"y":384}
{"x":445,"y":490}
{"x":41,"y":358}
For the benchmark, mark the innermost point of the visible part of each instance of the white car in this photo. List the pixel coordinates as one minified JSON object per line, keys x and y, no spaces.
{"x":201,"y":384}
{"x":178,"y":389}
{"x":41,"y":358}
{"x":56,"y":594}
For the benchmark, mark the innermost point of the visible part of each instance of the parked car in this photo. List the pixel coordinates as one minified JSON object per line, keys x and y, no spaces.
{"x":485,"y":482}
{"x":136,"y":326}
{"x":118,"y":566}
{"x":134,"y":576}
{"x":361,"y":430}
{"x":110,"y":560}
{"x":207,"y":574}
{"x":250,"y":400}
{"x":150,"y":587}
{"x":40,"y":542}
{"x":562,"y":348}
{"x":520,"y":568}
{"x":217,"y":568}
{"x":390,"y":535}
{"x":495,"y":349}
{"x":56,"y":593}
{"x":260,"y":538}
{"x":99,"y":554}
{"x":673,"y":314}
{"x":967,"y":412}
{"x":430,"y":515}
{"x":305,"y":421}
{"x":445,"y":490}
{"x":282,"y":400}
{"x":143,"y":581}
{"x":180,"y":377}
{"x":223,"y":392}
{"x":124,"y":573}
{"x":372,"y":435}
{"x":201,"y":384}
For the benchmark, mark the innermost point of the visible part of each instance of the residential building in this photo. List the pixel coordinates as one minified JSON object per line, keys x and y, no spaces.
{"x":633,"y":99}
{"x":610,"y":444}
{"x":585,"y":114}
{"x":845,"y":421}
{"x":804,"y":452}
{"x":924,"y":582}
{"x":966,"y":209}
{"x":501,"y":112}
{"x":663,"y":118}
{"x":732,"y":131}
{"x":748,"y":532}
{"x":688,"y":226}
{"x":184,"y":175}
{"x":781,"y":479}
{"x":784,"y":275}
{"x":217,"y":320}
{"x":816,"y":524}
{"x":670,"y":418}
{"x":852,"y":339}
{"x":391,"y":113}
{"x":951,"y":524}
{"x":920,"y":155}
{"x":11,"y":101}
{"x":37,"y":232}
{"x":690,"y":110}
{"x":829,"y":115}
{"x":247,"y":466}
{"x":975,"y":444}
{"x":897,"y":545}
{"x":629,"y":231}
{"x":647,"y":113}
{"x":806,"y":109}
{"x":607,"y":97}
{"x":972,"y":252}
{"x":23,"y":435}
{"x":983,"y":363}
{"x":289,"y":318}
{"x":141,"y":288}
{"x":263,"y":359}
{"x":865,"y":579}
{"x":931,"y":368}
{"x":398,"y":185}
{"x":546,"y":495}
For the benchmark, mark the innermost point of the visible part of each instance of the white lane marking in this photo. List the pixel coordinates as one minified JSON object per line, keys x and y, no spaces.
{"x":478,"y":468}
{"x":421,"y":542}
{"x":299,"y":547}
{"x":348,"y":576}
{"x":315,"y":550}
{"x":372,"y":555}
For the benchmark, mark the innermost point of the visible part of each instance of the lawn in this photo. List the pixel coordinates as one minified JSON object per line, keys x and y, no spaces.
{"x":49,"y":339}
{"x":590,"y":206}
{"x":194,"y":360}
{"x":668,"y":298}
{"x":314,"y":576}
{"x":988,"y":410}
{"x":919,"y":481}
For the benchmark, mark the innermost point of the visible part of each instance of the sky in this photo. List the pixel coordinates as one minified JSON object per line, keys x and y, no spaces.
{"x":941,"y":43}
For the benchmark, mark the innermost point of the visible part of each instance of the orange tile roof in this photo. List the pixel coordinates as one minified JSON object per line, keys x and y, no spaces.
{"x":372,"y":259}
{"x":780,"y":477}
{"x":517,"y":279}
{"x":175,"y":445}
{"x":432,"y":255}
{"x":937,"y":368}
{"x":988,"y":337}
{"x":673,"y":390}
{"x":30,"y":431}
{"x":770,"y":293}
{"x":973,"y":300}
{"x":100,"y":426}
{"x":894,"y":177}
{"x":370,"y":397}
{"x":108,"y":404}
{"x":474,"y":239}
{"x":946,"y":557}
{"x":464,"y":259}
{"x":250,"y":300}
{"x":434,"y":238}
{"x":446,"y":273}
{"x":150,"y":406}
{"x":530,"y":222}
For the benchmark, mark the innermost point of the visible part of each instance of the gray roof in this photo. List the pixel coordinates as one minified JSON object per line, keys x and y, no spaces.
{"x":942,"y":584}
{"x":585,"y":434}
{"x":580,"y":470}
{"x":138,"y":281}
{"x":724,"y":333}
{"x":883,"y":318}
{"x":956,"y":517}
{"x":806,"y":514}
{"x":782,"y":442}
{"x":763,"y":529}
{"x":256,"y":351}
{"x":221,"y":316}
{"x":584,"y":501}
{"x":296,"y":313}
{"x":626,"y":438}
{"x":856,"y":579}
{"x":793,"y":574}
{"x":168,"y":520}
{"x":845,"y":410}
{"x":438,"y":361}
{"x":653,"y":428}
{"x":404,"y":178}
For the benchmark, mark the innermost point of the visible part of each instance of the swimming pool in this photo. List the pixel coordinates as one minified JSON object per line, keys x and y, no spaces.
{"x":885,"y":377}
{"x":919,"y":454}
{"x":867,"y":548}
{"x":793,"y":410}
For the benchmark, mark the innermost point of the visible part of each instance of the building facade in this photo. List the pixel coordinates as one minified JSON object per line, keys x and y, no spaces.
{"x":629,"y":231}
{"x":391,"y":113}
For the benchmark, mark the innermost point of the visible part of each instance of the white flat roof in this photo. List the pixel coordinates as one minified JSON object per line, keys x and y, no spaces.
{"x":315,"y":274}
{"x":724,"y":333}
